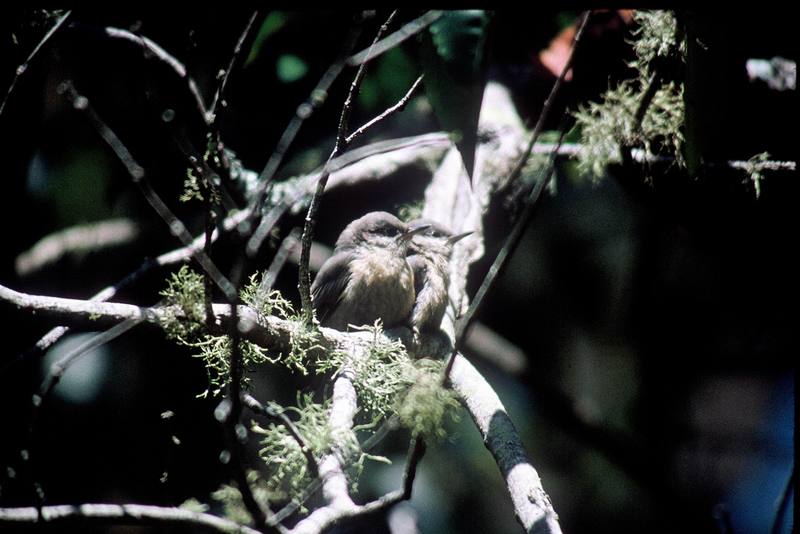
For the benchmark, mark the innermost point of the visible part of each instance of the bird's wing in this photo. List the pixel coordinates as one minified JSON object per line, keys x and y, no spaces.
{"x":418,"y":265}
{"x":330,"y":283}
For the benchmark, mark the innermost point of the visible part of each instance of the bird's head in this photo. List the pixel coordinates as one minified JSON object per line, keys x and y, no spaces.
{"x":379,"y":229}
{"x":434,"y":238}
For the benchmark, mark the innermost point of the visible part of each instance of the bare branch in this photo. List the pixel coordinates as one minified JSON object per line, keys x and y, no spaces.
{"x":78,"y":239}
{"x":178,"y":255}
{"x":304,"y":284}
{"x":85,"y":515}
{"x":22,"y":68}
{"x":137,"y":173}
{"x":450,"y":201}
{"x":501,"y":260}
{"x":287,"y":250}
{"x":219,"y":95}
{"x":154,"y":50}
{"x":399,"y":106}
{"x":394,"y":39}
{"x":532,"y":506}
{"x":548,"y":103}
{"x":317,"y":98}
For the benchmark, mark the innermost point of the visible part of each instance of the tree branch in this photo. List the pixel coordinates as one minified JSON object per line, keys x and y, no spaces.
{"x":137,"y":173}
{"x":548,"y":103}
{"x":448,"y":200}
{"x":395,"y":38}
{"x":399,"y":106}
{"x":219,"y":95}
{"x":79,"y":239}
{"x":304,"y":285}
{"x":251,"y":403}
{"x":152,"y":49}
{"x":532,"y":505}
{"x":24,"y":66}
{"x":85,"y":515}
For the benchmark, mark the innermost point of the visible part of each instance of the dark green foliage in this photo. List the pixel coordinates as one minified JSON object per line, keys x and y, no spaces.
{"x":454,"y":54}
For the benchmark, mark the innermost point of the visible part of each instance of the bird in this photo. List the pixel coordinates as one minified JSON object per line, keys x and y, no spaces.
{"x":367,"y":277}
{"x":429,"y":256}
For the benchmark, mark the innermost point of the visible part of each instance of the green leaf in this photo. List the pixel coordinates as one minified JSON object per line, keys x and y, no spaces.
{"x":454,"y":57}
{"x":272,"y":24}
{"x":290,"y":68}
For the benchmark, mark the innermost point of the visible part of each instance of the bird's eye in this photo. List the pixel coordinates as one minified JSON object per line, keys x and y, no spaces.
{"x":386,"y":231}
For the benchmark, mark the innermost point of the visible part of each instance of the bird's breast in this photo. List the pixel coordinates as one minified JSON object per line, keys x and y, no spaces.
{"x":381,"y":286}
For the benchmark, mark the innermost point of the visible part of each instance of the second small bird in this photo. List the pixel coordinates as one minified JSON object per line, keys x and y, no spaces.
{"x":430,"y":260}
{"x":367,"y":277}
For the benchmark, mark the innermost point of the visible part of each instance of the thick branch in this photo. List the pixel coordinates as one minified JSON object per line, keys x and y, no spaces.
{"x":274,"y":333}
{"x":532,"y":506}
{"x":79,"y":239}
{"x":448,"y":200}
{"x":86,"y":515}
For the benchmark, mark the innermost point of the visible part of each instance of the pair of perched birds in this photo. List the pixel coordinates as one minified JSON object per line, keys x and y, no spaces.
{"x":383,"y":268}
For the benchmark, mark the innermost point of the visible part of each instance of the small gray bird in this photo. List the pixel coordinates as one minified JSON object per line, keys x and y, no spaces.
{"x":367,"y":277}
{"x":429,"y":255}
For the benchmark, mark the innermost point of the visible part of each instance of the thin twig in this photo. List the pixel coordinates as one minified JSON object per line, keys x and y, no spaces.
{"x":399,"y":106}
{"x":501,"y":260}
{"x":332,"y":514}
{"x":172,"y":257}
{"x":304,"y":285}
{"x":235,"y":61}
{"x":415,"y":454}
{"x":390,"y":424}
{"x":548,"y":103}
{"x":413,"y":149}
{"x":516,"y":234}
{"x":279,"y":260}
{"x":645,"y":101}
{"x":316,"y":99}
{"x":395,"y":38}
{"x":230,"y":410}
{"x":767,"y":165}
{"x":24,"y":66}
{"x":54,"y":375}
{"x":208,"y":283}
{"x":137,"y":173}
{"x":152,"y":49}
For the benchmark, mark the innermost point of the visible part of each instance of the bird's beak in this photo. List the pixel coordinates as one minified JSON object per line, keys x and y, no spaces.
{"x":456,"y":238}
{"x":412,"y":231}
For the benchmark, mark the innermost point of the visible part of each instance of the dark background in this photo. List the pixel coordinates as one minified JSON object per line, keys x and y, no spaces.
{"x":657,"y":320}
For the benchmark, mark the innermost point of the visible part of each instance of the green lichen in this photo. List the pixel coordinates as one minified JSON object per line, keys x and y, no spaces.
{"x":233,"y":506}
{"x":284,"y":460}
{"x":645,"y":112}
{"x":388,"y":381}
{"x":184,"y":310}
